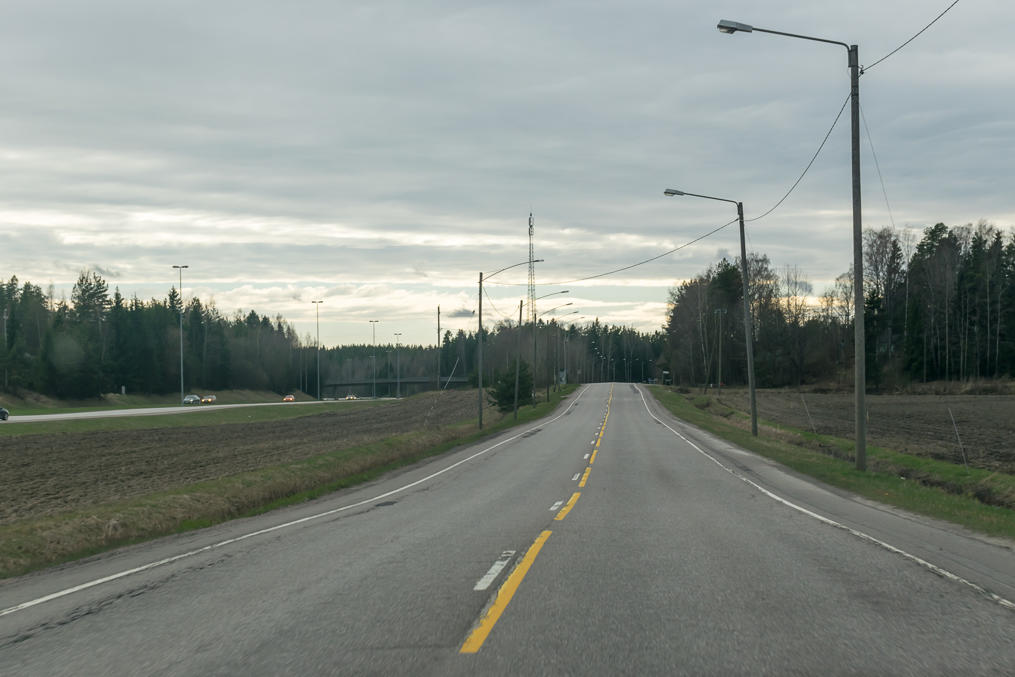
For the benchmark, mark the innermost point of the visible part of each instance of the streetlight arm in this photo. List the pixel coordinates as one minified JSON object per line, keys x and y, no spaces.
{"x":523,"y":263}
{"x":730,"y":27}
{"x":670,"y":192}
{"x":547,"y":312}
{"x":803,"y":37}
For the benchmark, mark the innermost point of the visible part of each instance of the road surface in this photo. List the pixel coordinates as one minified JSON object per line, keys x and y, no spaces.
{"x":607,"y":539}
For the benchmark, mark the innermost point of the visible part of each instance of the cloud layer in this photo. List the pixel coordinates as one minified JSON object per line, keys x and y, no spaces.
{"x":379,"y":155}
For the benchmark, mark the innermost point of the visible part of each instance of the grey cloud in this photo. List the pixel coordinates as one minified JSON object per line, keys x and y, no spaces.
{"x":455,"y":119}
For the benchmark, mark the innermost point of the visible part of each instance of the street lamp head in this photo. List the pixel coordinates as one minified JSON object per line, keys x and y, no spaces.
{"x":727,"y":26}
{"x":670,"y":192}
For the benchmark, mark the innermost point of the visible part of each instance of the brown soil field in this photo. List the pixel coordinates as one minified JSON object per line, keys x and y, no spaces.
{"x":48,"y":474}
{"x":912,"y":424}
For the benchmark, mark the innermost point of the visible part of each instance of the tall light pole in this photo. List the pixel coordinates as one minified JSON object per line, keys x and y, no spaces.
{"x":180,"y":268}
{"x":373,"y":353}
{"x":438,"y":349}
{"x":532,"y":313}
{"x":748,"y":323}
{"x":5,"y":344}
{"x":556,"y":353}
{"x":479,"y":338}
{"x":859,"y":341}
{"x":398,"y":368}
{"x":317,"y":309}
{"x":547,"y":343}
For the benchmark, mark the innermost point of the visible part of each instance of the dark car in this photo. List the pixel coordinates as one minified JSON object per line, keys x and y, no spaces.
{"x":4,"y":414}
{"x":192,"y":399}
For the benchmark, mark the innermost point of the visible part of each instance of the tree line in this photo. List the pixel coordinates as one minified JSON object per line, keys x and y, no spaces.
{"x":99,"y":342}
{"x":941,"y":308}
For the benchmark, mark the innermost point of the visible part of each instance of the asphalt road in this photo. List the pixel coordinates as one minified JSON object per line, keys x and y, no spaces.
{"x":659,"y":551}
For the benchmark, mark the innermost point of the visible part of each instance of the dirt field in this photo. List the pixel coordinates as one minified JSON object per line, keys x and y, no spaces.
{"x":914,"y":424}
{"x":56,"y":473}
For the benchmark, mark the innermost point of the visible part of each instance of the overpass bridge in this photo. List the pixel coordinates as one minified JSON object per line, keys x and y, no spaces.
{"x":409,"y":384}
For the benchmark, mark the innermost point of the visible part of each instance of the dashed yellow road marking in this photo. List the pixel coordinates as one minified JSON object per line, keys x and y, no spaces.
{"x":507,"y":591}
{"x":567,"y":508}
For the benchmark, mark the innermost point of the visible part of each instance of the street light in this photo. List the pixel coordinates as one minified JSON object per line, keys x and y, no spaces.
{"x":534,"y":325}
{"x":859,"y":354}
{"x":556,"y":359}
{"x":180,"y":268}
{"x":373,"y":353}
{"x":479,"y":338}
{"x":569,"y":303}
{"x":398,"y":368}
{"x":748,"y":324}
{"x":317,"y":309}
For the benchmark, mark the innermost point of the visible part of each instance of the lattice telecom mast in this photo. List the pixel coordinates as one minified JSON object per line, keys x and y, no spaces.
{"x":532,"y":274}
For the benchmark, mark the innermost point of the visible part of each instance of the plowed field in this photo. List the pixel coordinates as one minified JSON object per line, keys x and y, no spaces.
{"x":914,"y":424}
{"x":47,"y":474}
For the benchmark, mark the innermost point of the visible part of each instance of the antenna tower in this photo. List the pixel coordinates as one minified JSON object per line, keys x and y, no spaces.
{"x":532,"y":274}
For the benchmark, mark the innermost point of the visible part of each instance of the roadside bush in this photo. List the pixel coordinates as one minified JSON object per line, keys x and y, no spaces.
{"x":502,"y":393}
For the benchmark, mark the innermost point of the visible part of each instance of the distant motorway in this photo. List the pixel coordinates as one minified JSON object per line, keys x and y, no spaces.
{"x":148,"y":411}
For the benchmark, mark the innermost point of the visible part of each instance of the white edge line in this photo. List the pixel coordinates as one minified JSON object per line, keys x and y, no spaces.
{"x":259,"y":532}
{"x":556,"y":506}
{"x":838,"y":525}
{"x":498,"y":566}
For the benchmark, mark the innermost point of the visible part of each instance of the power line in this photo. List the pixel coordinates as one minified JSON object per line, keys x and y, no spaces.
{"x":716,"y":230}
{"x":867,"y":68}
{"x":490,"y":301}
{"x":791,"y":188}
{"x":807,"y":168}
{"x":633,"y":265}
{"x":878,"y":166}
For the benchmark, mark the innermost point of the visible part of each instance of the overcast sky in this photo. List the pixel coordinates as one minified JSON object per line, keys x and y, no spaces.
{"x":378,"y":155}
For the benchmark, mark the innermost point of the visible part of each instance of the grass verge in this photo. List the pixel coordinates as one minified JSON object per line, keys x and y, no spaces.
{"x":980,"y":500}
{"x":32,"y":544}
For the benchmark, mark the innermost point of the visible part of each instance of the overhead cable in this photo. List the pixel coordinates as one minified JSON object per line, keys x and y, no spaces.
{"x":807,"y":168}
{"x":633,"y":265}
{"x":867,"y":68}
{"x":784,"y":197}
{"x":874,"y":153}
{"x":490,"y":300}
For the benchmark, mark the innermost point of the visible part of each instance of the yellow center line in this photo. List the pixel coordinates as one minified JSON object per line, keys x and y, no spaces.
{"x":585,"y":477}
{"x":592,"y":459}
{"x":507,"y":591}
{"x":567,"y":508}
